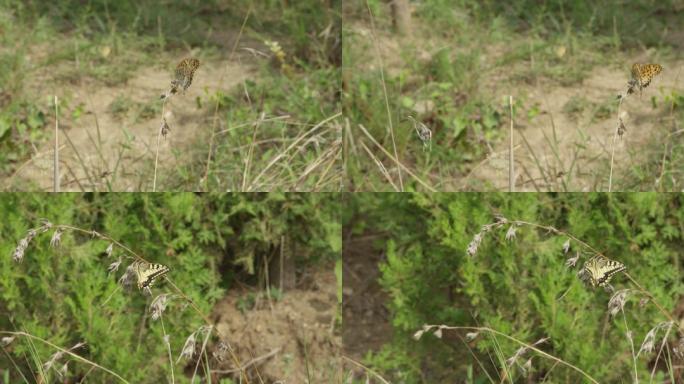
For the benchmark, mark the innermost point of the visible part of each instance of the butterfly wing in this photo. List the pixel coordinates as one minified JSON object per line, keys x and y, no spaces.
{"x":602,"y":269}
{"x":148,"y":273}
{"x":649,"y":72}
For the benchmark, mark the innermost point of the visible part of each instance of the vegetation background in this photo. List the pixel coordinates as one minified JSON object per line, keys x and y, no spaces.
{"x":217,"y":247}
{"x":261,"y":114}
{"x":421,"y":264}
{"x":452,"y":66}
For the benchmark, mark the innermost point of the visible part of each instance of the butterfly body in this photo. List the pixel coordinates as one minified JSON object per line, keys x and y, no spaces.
{"x":148,"y":273}
{"x":600,"y":270}
{"x":644,"y":73}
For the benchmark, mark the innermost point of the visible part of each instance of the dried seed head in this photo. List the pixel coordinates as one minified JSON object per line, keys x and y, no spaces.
{"x":470,"y":336}
{"x":679,"y":349}
{"x":165,"y":129}
{"x":510,"y":234}
{"x":617,"y":302}
{"x":56,"y":238}
{"x":513,"y":359}
{"x":5,"y":341}
{"x":158,"y":306}
{"x":649,"y":342}
{"x":19,"y":251}
{"x":566,"y":246}
{"x":621,"y":129}
{"x":53,"y":360}
{"x":571,"y":262}
{"x":109,"y":249}
{"x":438,"y":333}
{"x":527,"y":366}
{"x":474,"y":245}
{"x":188,"y":349}
{"x":62,"y":372}
{"x":113,"y":267}
{"x":220,"y":352}
{"x":424,"y":133}
{"x":129,"y":277}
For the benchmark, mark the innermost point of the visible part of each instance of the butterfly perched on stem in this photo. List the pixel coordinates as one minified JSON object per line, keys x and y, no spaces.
{"x":642,"y":74}
{"x":185,"y":70}
{"x":147,"y":273}
{"x":600,"y":269}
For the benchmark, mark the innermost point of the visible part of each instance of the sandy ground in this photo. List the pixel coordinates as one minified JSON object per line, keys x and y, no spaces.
{"x":120,"y":150}
{"x":291,"y":340}
{"x":577,"y":156}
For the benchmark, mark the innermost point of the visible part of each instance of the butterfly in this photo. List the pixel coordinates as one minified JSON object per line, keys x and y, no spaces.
{"x":147,"y":273}
{"x":185,"y":70}
{"x":642,"y":74}
{"x":601,"y":269}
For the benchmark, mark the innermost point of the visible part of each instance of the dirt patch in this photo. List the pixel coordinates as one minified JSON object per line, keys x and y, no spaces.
{"x":365,"y":316}
{"x":575,"y":148}
{"x":295,"y":337}
{"x":112,"y":144}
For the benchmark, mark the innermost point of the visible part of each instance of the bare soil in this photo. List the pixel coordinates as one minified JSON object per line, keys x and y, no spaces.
{"x":564,"y":151}
{"x":365,"y":316}
{"x":293,"y":340}
{"x":102,"y":149}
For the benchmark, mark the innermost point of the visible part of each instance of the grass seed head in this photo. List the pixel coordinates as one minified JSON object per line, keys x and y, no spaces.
{"x":56,"y":238}
{"x":617,"y":302}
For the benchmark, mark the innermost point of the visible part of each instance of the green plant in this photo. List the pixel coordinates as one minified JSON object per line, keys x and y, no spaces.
{"x":505,"y":262}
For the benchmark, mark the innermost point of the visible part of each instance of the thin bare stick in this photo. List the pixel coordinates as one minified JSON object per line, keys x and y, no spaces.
{"x":421,"y":182}
{"x":282,"y":154}
{"x":55,"y":176}
{"x":366,"y":369}
{"x":511,"y":173}
{"x":249,"y":363}
{"x":390,"y":127}
{"x":216,"y":106}
{"x":612,"y":149}
{"x":250,"y":152}
{"x":522,"y":343}
{"x":68,"y":352}
{"x":156,"y":156}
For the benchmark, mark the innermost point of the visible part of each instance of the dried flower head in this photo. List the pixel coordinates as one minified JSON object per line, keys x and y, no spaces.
{"x":424,"y":133}
{"x":510,"y":234}
{"x":617,"y":302}
{"x":189,"y":348}
{"x":129,"y":277}
{"x":52,"y":360}
{"x":518,"y":353}
{"x":56,"y":238}
{"x":474,"y":245}
{"x":113,"y":267}
{"x":566,"y":246}
{"x":109,"y":249}
{"x":621,"y":129}
{"x":572,"y":261}
{"x":649,"y":341}
{"x":5,"y":341}
{"x":220,"y":352}
{"x":165,"y":129}
{"x":159,"y":305}
{"x":679,"y":349}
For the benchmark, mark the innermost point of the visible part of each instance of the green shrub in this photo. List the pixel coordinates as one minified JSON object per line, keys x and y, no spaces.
{"x":65,"y":295}
{"x":522,"y":287}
